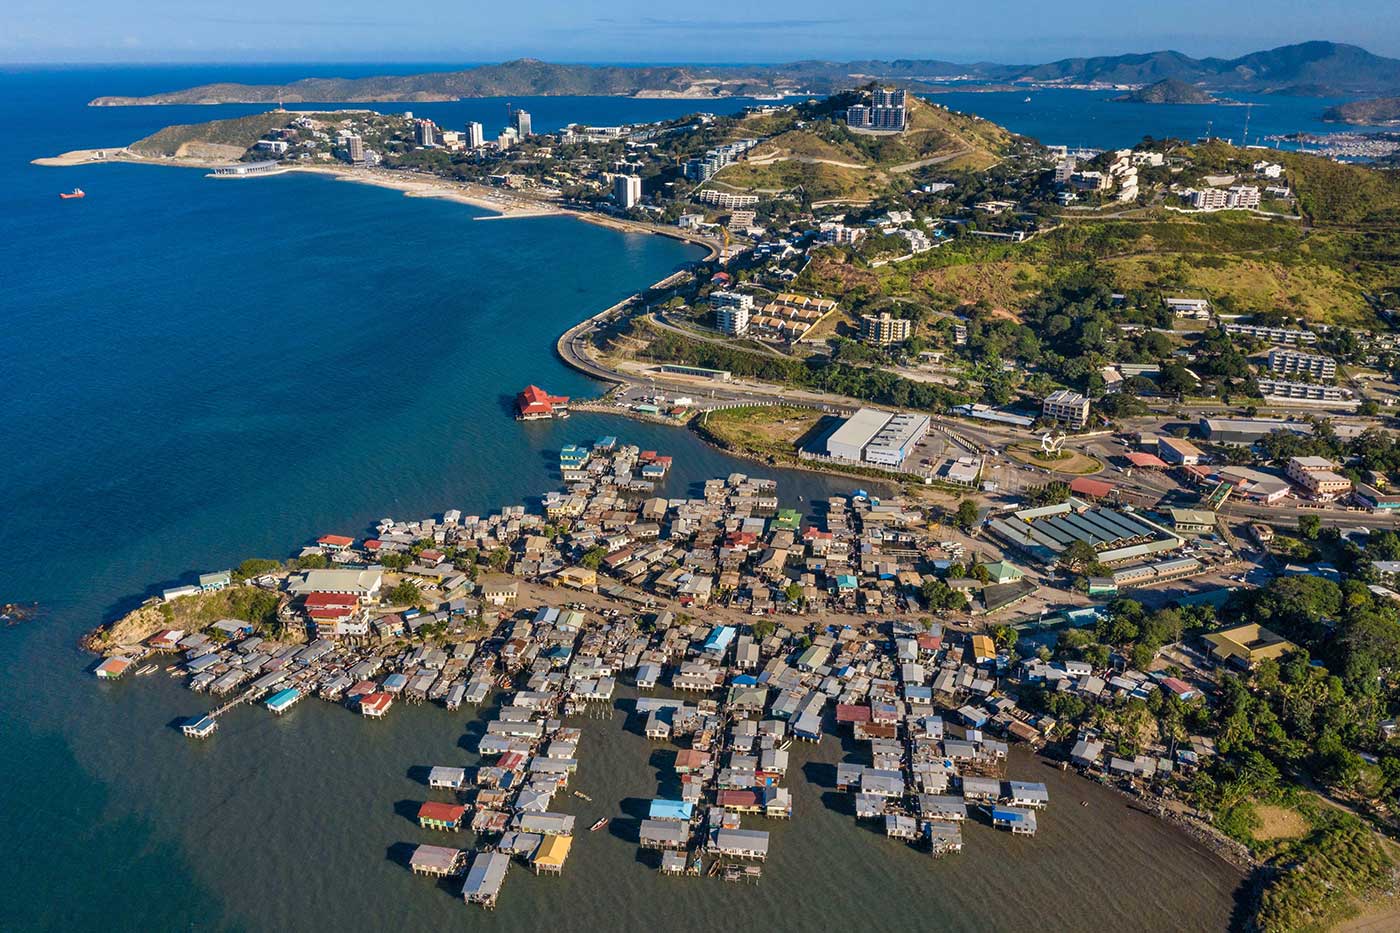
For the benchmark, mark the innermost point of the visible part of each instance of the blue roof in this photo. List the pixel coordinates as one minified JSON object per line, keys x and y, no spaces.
{"x":1010,"y":815}
{"x":606,"y":443}
{"x":745,"y":680}
{"x":396,"y":680}
{"x":720,"y":637}
{"x":670,"y":810}
{"x":283,"y":698}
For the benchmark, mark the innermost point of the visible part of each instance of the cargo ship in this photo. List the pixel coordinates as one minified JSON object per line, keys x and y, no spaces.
{"x":75,"y":193}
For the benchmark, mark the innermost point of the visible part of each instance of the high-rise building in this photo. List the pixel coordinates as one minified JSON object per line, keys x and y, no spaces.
{"x":627,"y":191}
{"x":884,"y":330}
{"x":522,"y":123}
{"x":355,"y":149}
{"x":886,"y":111}
{"x":476,"y":136}
{"x":732,"y":310}
{"x":425,"y":132}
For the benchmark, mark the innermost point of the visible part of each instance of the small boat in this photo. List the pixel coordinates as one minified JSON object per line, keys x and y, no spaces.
{"x":598,"y":825}
{"x":69,"y":195}
{"x":582,"y":796}
{"x":1026,"y":101}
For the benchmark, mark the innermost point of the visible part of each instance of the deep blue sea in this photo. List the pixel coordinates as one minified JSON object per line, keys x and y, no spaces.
{"x":196,"y":371}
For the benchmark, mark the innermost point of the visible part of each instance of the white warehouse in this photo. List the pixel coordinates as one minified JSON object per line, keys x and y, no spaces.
{"x":878,"y":437}
{"x":848,"y":441}
{"x":896,"y":439}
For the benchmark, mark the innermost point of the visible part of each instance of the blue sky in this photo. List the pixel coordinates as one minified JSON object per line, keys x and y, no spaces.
{"x":1010,"y":31}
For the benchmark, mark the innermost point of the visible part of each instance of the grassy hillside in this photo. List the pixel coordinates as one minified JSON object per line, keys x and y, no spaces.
{"x":238,"y":133}
{"x":829,"y":162}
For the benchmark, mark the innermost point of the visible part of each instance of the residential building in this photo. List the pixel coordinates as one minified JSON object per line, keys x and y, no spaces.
{"x":732,"y":311}
{"x":476,"y":135}
{"x":425,"y":132}
{"x":1282,"y":335}
{"x":1198,"y":308}
{"x":886,"y":111}
{"x":1295,"y":363}
{"x":522,"y":123}
{"x":355,"y":149}
{"x":883,"y":330}
{"x":627,"y":191}
{"x":1303,"y":391}
{"x":1069,"y":407}
{"x":725,"y":200}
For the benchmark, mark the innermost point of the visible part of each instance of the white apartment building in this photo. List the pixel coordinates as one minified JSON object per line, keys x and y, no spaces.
{"x":1069,"y":407}
{"x":1295,"y":363}
{"x":627,"y":191}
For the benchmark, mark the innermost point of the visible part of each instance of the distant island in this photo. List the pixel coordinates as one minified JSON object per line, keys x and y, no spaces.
{"x":1302,"y":68}
{"x":1365,"y":112}
{"x":1170,"y":91}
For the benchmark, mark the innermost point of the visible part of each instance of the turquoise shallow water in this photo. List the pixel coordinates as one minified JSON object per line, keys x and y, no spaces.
{"x":196,"y":371}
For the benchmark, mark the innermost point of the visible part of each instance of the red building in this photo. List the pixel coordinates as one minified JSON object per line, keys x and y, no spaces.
{"x":535,"y":403}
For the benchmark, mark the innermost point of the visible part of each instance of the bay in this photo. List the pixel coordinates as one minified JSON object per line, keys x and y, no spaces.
{"x":202,"y":370}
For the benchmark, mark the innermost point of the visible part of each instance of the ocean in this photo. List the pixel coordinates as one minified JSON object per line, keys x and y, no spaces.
{"x":198,"y":371}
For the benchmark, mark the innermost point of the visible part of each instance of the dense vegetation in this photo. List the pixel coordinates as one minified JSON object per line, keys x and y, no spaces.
{"x":868,"y":384}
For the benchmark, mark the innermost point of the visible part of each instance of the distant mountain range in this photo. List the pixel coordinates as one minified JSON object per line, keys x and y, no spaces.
{"x":1309,"y":68}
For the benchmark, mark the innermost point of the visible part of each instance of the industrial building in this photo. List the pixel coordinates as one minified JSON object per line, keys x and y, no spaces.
{"x":848,"y":441}
{"x":1248,"y":431}
{"x":1043,"y":534}
{"x":896,"y":439}
{"x":1178,"y":452}
{"x":877,"y":437}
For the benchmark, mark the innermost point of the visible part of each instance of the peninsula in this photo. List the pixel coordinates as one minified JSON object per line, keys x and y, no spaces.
{"x":1375,"y":112}
{"x":1130,"y":406}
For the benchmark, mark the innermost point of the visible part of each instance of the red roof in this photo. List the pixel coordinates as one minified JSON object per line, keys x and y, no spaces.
{"x":376,"y":701}
{"x":511,"y":761}
{"x":373,"y":544}
{"x":441,"y":812}
{"x":1093,"y":488}
{"x":536,"y":401}
{"x":1143,"y":459}
{"x":737,"y":798}
{"x":332,"y":614}
{"x":848,"y":712}
{"x":335,"y":540}
{"x":326,"y":600}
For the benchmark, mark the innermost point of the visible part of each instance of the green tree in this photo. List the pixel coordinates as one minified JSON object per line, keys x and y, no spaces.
{"x":593,"y":557}
{"x":966,"y":515}
{"x":405,"y":593}
{"x":1309,"y":526}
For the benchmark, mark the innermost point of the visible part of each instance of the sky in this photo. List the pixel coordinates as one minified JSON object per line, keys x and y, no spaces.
{"x":467,"y":31}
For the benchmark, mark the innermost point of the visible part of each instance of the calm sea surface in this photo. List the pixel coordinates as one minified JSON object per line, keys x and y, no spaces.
{"x":196,"y":371}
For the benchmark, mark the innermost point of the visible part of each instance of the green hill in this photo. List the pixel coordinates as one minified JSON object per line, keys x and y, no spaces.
{"x":830,"y":162}
{"x":229,"y":138}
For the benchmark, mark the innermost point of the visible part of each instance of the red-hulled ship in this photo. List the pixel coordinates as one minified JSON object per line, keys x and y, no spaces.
{"x":75,"y":193}
{"x":535,"y":403}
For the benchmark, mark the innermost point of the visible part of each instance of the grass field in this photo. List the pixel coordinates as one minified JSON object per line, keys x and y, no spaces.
{"x":759,"y":429}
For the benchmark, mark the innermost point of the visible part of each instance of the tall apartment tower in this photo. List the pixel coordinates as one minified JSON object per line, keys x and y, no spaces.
{"x":522,"y":123}
{"x":627,"y":191}
{"x":476,"y":136}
